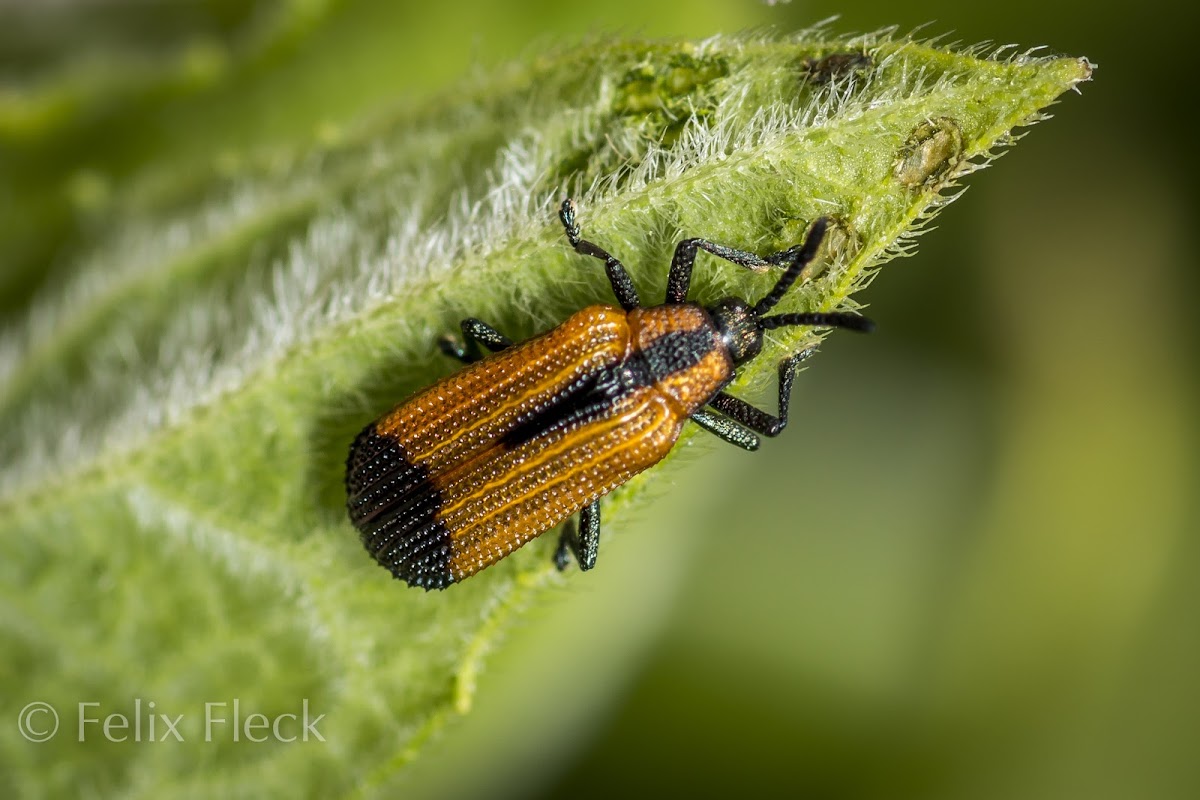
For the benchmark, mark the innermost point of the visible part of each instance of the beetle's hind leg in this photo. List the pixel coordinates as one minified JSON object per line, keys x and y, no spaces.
{"x":756,"y":419}
{"x":581,"y":539}
{"x":622,"y":285}
{"x":475,"y":333}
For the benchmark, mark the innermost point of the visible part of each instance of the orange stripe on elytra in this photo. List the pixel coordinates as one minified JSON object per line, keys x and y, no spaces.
{"x":608,"y":351}
{"x":596,"y":457}
{"x":529,"y":371}
{"x":475,"y":547}
{"x":530,"y":392}
{"x":568,"y":439}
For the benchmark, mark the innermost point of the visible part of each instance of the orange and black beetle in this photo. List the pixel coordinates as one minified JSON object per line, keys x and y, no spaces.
{"x":461,"y":474}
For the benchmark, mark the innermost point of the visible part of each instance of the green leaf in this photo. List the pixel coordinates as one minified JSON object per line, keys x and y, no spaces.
{"x":176,"y":416}
{"x":84,"y":90}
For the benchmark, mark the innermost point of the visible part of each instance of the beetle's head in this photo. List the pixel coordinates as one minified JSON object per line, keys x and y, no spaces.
{"x":741,"y":325}
{"x":740,"y":332}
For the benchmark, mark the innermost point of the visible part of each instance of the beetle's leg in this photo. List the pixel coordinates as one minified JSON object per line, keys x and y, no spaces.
{"x":680,"y":277}
{"x":622,"y":286}
{"x":475,"y":333}
{"x":727,"y":429}
{"x":756,"y":419}
{"x":580,"y":539}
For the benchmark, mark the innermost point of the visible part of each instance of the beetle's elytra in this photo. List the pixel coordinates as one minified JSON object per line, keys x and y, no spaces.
{"x":461,"y":474}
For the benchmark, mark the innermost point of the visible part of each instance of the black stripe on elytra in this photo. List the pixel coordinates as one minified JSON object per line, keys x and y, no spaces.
{"x":375,"y":468}
{"x":393,"y":504}
{"x":583,"y":400}
{"x":592,"y":397}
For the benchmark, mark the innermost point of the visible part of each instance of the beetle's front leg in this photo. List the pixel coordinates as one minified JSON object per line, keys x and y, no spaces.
{"x":726,"y":429}
{"x":679,"y":279}
{"x":756,"y":419}
{"x":475,"y":333}
{"x":580,"y":539}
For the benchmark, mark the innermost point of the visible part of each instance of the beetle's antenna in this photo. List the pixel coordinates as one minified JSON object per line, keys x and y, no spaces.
{"x":807,"y":253}
{"x":836,"y":319}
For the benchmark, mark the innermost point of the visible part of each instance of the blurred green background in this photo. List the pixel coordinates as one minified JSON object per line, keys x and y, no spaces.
{"x":1006,"y":603}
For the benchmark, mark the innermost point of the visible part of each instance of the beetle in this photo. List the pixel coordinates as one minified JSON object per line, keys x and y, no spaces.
{"x":464,"y":472}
